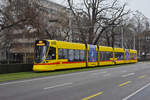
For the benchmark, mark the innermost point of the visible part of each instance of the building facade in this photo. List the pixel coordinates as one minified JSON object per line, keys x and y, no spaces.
{"x":22,"y":41}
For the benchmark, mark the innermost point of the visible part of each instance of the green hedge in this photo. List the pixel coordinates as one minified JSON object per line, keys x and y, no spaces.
{"x":13,"y":68}
{"x":147,"y":59}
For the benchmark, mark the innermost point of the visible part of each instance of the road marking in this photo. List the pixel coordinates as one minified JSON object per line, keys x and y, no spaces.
{"x":99,"y":73}
{"x":46,"y":77}
{"x":125,"y":83}
{"x":107,"y":74}
{"x":60,"y":85}
{"x":29,"y":80}
{"x":130,"y":74}
{"x":124,"y":71}
{"x":143,"y":76}
{"x":135,"y":69}
{"x":131,"y":95}
{"x":104,"y":72}
{"x":94,"y":95}
{"x":96,"y":73}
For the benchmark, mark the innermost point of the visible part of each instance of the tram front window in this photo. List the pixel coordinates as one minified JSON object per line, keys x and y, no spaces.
{"x":40,"y":52}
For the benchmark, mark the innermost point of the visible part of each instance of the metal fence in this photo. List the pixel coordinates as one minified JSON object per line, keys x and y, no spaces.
{"x":16,"y":58}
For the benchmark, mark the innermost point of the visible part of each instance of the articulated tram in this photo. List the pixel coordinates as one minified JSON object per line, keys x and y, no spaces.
{"x":53,"y":55}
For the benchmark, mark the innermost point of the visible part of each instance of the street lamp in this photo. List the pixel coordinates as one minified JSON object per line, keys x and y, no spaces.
{"x":134,"y":36}
{"x":139,"y":47}
{"x":134,"y":42}
{"x":122,"y":31}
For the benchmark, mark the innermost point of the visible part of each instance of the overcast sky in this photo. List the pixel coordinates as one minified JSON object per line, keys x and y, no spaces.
{"x":141,"y":5}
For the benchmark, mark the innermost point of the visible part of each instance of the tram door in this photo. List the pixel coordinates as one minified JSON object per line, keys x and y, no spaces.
{"x":127,"y":55}
{"x":92,"y":56}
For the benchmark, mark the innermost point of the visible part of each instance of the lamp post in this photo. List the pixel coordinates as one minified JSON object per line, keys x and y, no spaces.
{"x":122,"y":31}
{"x":139,"y":48}
{"x":134,"y":42}
{"x":70,"y":26}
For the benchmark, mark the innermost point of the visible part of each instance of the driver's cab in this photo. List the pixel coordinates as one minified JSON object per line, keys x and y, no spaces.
{"x":44,"y":52}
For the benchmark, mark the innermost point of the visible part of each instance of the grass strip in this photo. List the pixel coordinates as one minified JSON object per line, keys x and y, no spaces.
{"x":29,"y":75}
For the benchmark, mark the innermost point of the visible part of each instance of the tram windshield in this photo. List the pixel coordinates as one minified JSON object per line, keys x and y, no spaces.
{"x":40,"y":52}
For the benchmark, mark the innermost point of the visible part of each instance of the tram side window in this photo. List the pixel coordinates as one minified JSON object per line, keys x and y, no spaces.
{"x":82,"y":55}
{"x":76,"y":55}
{"x":102,"y":57}
{"x":51,"y":53}
{"x":65,"y":54}
{"x":106,"y":56}
{"x":133,"y":55}
{"x":60,"y":53}
{"x":71,"y":55}
{"x":119,"y":55}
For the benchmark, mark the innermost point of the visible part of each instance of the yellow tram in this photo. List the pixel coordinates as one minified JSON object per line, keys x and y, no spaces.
{"x":106,"y":56}
{"x":133,"y":56}
{"x":119,"y":55}
{"x":53,"y":55}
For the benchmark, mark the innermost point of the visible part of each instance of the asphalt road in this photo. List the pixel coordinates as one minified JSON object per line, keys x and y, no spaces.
{"x":129,"y":82}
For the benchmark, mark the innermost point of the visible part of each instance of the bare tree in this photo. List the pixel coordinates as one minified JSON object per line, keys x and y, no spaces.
{"x":99,"y":15}
{"x":18,"y":18}
{"x":139,"y":25}
{"x":58,"y":29}
{"x":30,"y":19}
